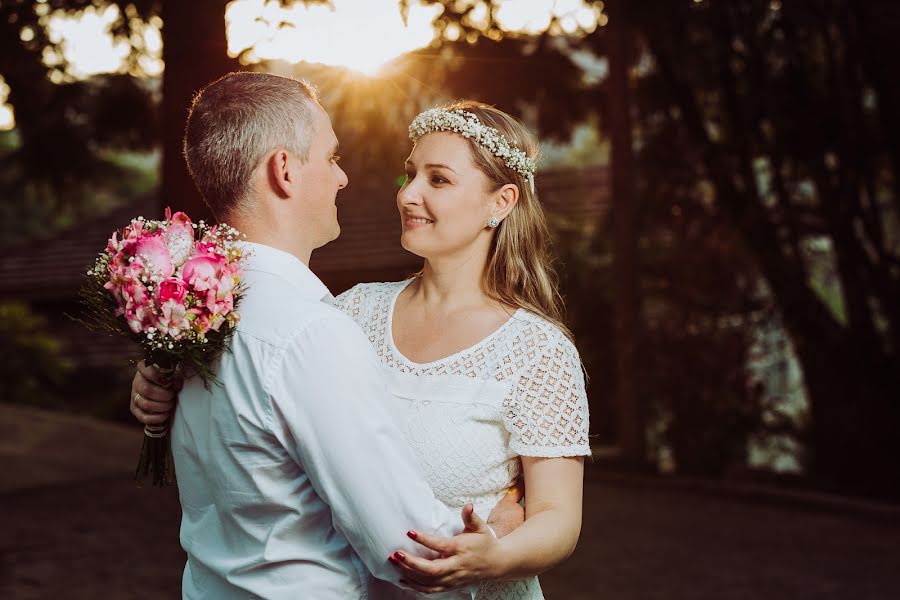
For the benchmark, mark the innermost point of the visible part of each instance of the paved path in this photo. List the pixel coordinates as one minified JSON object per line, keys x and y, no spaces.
{"x":94,"y":534}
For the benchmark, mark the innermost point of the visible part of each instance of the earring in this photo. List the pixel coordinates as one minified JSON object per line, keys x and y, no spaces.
{"x":493,"y":222}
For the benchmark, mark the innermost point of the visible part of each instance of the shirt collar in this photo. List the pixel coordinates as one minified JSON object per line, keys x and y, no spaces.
{"x":266,"y":259}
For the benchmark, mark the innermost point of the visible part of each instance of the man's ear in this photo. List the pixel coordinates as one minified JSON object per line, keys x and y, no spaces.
{"x":282,"y":175}
{"x":504,"y":200}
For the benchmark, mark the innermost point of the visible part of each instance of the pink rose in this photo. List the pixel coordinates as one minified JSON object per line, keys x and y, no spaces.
{"x":172,"y":288}
{"x":202,"y":272}
{"x":155,"y":254}
{"x":179,"y":237}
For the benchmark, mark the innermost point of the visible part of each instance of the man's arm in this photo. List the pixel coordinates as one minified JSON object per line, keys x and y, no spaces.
{"x":153,"y":394}
{"x":333,"y":404}
{"x":508,"y":513}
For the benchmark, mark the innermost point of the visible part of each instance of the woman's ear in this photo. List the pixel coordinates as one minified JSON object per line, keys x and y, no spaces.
{"x":504,"y":200}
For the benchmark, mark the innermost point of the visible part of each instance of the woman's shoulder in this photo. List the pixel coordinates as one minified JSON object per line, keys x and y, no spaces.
{"x":362,"y":291}
{"x":359,"y":300}
{"x":537,"y":342}
{"x":532,"y":328}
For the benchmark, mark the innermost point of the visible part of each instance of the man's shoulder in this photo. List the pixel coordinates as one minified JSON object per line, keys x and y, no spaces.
{"x":273,"y":312}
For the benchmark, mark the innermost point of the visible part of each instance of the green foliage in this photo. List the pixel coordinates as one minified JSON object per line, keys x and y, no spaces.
{"x":51,"y":173}
{"x":585,"y":148}
{"x":9,"y":141}
{"x":32,"y":366}
{"x":35,"y":209}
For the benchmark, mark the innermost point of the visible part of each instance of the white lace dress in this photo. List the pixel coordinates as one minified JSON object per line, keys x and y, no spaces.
{"x":469,"y":416}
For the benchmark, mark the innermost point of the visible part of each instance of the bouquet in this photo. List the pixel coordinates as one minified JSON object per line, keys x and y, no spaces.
{"x":173,"y":287}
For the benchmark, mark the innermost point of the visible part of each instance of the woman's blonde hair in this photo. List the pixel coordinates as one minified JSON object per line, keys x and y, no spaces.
{"x":520,"y":269}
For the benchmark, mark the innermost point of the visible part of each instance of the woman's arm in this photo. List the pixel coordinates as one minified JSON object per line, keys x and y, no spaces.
{"x":552,"y":518}
{"x":552,"y":525}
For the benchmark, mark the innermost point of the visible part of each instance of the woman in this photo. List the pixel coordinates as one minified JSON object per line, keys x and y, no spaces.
{"x":486,"y":382}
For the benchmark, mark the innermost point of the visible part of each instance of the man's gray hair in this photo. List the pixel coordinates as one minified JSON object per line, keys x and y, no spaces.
{"x":233,"y":123}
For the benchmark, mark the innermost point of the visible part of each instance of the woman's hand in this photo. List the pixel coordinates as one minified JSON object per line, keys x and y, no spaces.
{"x":467,"y":558}
{"x":153,"y":394}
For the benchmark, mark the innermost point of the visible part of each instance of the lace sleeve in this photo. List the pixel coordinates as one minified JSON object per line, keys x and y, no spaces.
{"x":547,"y":414}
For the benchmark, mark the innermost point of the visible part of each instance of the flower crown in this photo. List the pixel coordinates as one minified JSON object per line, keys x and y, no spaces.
{"x":469,"y":126}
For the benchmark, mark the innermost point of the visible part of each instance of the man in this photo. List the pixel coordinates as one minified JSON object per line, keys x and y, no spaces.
{"x":293,"y":479}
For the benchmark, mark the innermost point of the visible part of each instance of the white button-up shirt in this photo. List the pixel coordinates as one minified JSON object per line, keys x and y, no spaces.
{"x":294,"y":480}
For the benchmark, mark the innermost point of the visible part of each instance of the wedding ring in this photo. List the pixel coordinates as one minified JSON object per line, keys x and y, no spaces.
{"x":137,"y":397}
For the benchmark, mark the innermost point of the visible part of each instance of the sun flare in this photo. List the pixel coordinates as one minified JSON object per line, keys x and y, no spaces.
{"x":7,"y":118}
{"x":361,"y":36}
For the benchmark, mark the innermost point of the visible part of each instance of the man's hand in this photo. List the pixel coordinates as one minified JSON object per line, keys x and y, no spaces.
{"x":470,"y":557}
{"x":508,"y":514}
{"x":153,"y":394}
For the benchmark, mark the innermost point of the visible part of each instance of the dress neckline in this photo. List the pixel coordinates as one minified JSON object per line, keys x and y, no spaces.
{"x":389,"y":334}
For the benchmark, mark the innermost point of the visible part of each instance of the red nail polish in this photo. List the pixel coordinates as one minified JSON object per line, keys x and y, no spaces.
{"x":393,"y":560}
{"x":412,"y":535}
{"x":400,"y":555}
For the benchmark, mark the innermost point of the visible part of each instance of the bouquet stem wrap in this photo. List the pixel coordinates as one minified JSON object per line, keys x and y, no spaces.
{"x":156,"y":454}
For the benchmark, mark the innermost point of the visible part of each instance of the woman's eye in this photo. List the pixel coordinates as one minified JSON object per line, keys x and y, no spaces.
{"x":438,"y":179}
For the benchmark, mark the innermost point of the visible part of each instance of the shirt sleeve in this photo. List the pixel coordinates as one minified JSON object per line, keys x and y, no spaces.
{"x":328,"y":391}
{"x":547,"y":413}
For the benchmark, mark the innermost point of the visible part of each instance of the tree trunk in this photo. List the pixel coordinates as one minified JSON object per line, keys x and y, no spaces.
{"x":195,"y":53}
{"x":632,"y":427}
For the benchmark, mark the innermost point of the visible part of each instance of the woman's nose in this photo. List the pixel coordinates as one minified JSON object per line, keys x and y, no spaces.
{"x":409,"y":194}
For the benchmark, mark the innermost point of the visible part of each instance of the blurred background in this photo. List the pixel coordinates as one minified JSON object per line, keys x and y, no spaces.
{"x":723,"y":183}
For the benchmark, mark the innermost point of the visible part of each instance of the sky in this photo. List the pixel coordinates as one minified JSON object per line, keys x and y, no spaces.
{"x":362,"y":35}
